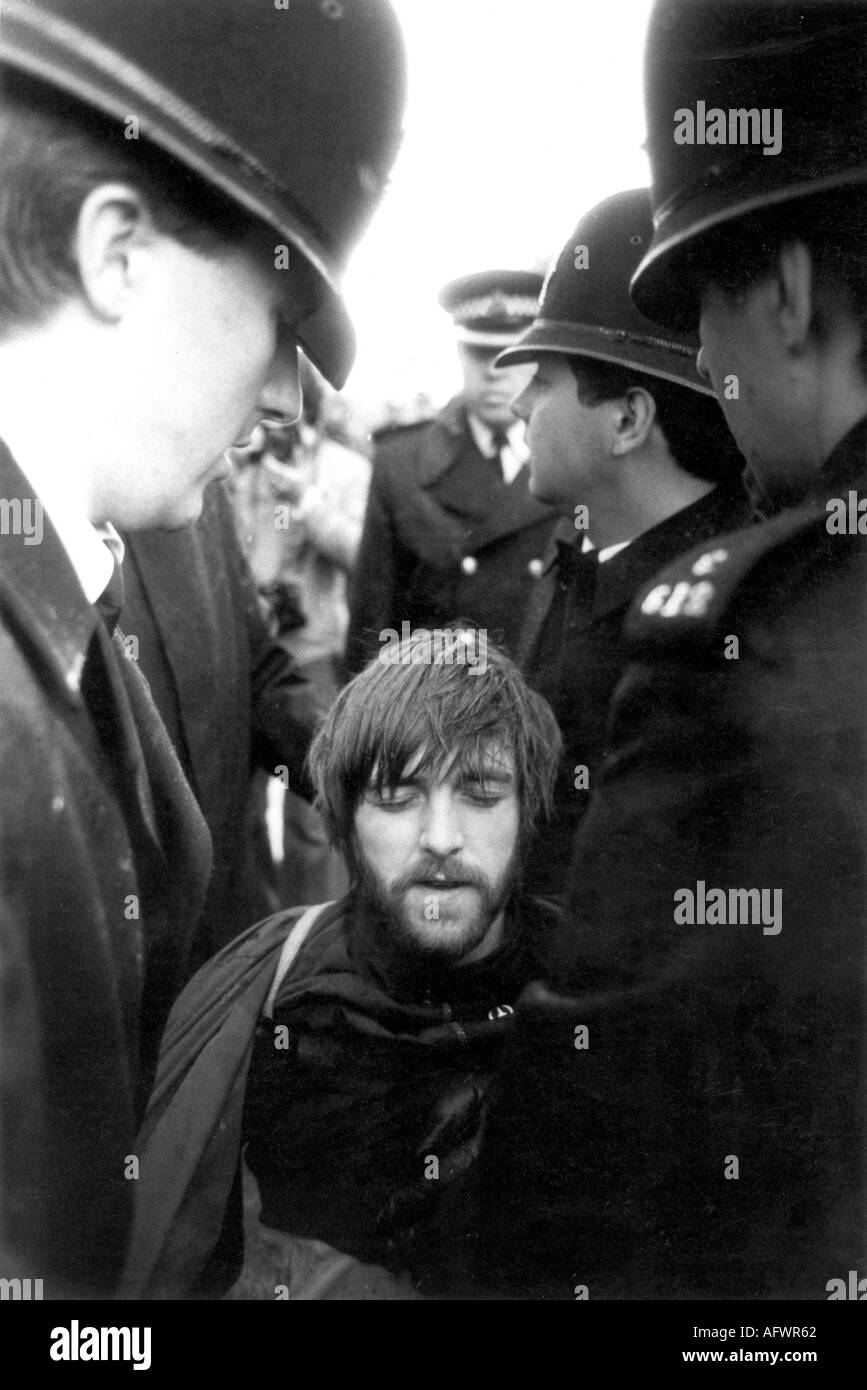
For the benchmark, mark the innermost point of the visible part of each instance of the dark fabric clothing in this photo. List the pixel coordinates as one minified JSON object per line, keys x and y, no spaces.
{"x":339,"y":1120}
{"x":372,"y":1046}
{"x":444,"y":538}
{"x":104,"y":858}
{"x":709,"y":1042}
{"x":189,"y":1144}
{"x":574,"y":653}
{"x":230,"y":696}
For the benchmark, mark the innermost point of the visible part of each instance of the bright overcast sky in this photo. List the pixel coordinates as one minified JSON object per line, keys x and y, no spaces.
{"x":521,"y":115}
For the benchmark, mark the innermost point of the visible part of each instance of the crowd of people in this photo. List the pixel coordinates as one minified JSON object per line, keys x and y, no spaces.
{"x":431,"y":867}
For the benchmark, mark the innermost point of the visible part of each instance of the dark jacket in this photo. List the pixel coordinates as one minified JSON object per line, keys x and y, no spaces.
{"x":716,"y":1116}
{"x":341,"y":1120}
{"x":444,"y":538}
{"x":228,"y":693}
{"x":104,"y":858}
{"x":574,"y":653}
{"x":337,"y":1114}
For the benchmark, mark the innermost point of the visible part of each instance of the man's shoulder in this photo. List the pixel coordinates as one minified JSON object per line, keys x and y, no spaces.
{"x":238,"y":979}
{"x":397,"y":454}
{"x":310,"y":935}
{"x":756,"y":570}
{"x":399,"y":445}
{"x":401,"y":432}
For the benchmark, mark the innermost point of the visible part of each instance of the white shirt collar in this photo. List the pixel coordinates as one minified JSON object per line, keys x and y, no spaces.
{"x":607,"y":553}
{"x":92,"y":550}
{"x":514,"y":454}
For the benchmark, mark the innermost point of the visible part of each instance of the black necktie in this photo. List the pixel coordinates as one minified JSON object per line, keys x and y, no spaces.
{"x":105,"y":695}
{"x":97,"y":684}
{"x":575,"y":567}
{"x":499,"y":440}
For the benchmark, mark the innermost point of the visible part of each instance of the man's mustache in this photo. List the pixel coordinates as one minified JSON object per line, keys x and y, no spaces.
{"x":438,"y":877}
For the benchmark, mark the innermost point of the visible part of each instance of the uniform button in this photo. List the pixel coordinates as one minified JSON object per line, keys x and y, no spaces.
{"x":469,"y":564}
{"x":535,"y":567}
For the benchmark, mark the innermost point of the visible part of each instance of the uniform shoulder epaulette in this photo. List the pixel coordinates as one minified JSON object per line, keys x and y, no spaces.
{"x":691,"y":597}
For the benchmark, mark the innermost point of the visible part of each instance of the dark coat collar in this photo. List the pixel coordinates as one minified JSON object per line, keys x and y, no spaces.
{"x":847,"y":465}
{"x":441,"y":442}
{"x":722,"y":509}
{"x":45,"y":605}
{"x":41,"y":596}
{"x":845,"y":468}
{"x":561,"y":556}
{"x":444,"y":443}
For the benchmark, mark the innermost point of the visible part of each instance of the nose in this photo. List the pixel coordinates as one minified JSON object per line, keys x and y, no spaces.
{"x":521,"y":405}
{"x":701,"y":364}
{"x":281,"y":394}
{"x":441,"y":834}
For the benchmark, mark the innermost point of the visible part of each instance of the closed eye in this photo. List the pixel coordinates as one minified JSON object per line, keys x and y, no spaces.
{"x":483,"y":793}
{"x":391,"y":798}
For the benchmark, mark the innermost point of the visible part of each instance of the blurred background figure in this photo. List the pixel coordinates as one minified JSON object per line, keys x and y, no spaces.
{"x":300,"y":497}
{"x":451,"y":529}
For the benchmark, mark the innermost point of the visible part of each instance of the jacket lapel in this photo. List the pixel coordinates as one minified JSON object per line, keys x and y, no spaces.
{"x":441,"y":444}
{"x":183,"y":591}
{"x":41,"y":595}
{"x":513,"y":510}
{"x":452,"y":470}
{"x":120,"y":736}
{"x":543,"y":591}
{"x":164,"y":798}
{"x":46,"y":606}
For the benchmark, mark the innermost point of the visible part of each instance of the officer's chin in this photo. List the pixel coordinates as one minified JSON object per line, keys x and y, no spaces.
{"x":176,"y":514}
{"x":496,"y":417}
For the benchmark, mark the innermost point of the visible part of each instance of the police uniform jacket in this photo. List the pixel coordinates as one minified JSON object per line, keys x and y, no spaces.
{"x":573,"y":652}
{"x":228,"y":694}
{"x":104,"y":858}
{"x":709,"y":1138}
{"x":444,"y":538}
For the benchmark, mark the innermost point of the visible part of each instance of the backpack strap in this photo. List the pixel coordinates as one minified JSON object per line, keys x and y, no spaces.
{"x":291,"y":946}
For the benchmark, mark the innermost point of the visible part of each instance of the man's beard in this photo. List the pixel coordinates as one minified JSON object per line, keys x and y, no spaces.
{"x":463,"y":920}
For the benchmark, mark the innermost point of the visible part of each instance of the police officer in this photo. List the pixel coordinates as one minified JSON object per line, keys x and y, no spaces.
{"x":628,"y":441}
{"x":451,"y":530}
{"x":702,"y":1131}
{"x":171,"y":231}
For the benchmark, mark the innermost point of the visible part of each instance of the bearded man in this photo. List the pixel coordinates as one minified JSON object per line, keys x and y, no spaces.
{"x":363,"y":1070}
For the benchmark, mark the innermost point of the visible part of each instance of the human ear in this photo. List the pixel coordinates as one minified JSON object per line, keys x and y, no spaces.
{"x":633,"y":421}
{"x":112,"y":229}
{"x":796,"y":295}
